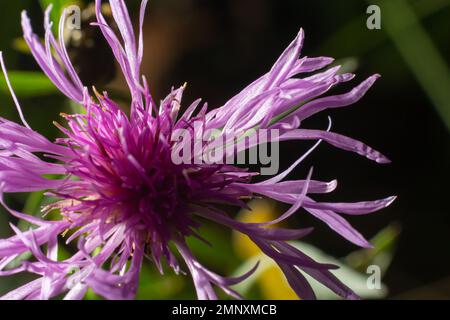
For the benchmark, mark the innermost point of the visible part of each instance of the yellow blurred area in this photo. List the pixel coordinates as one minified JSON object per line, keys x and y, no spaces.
{"x":272,"y":282}
{"x":274,"y":285}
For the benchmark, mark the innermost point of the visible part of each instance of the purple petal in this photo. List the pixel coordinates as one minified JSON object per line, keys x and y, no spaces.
{"x":340,"y":225}
{"x":356,"y":208}
{"x":336,"y":140}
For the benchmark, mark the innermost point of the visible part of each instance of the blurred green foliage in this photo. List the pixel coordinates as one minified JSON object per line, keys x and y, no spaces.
{"x":403,"y":26}
{"x":28,"y":84}
{"x":57,"y":9}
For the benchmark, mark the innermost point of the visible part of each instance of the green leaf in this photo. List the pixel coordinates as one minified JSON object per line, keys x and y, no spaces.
{"x":58,"y":7}
{"x":381,"y":254}
{"x":33,"y":203}
{"x":153,"y":285}
{"x":32,"y":207}
{"x":21,"y":46}
{"x":337,"y":42}
{"x":403,"y":26}
{"x":28,"y":84}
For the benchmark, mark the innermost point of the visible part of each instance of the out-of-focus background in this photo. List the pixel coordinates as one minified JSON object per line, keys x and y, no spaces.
{"x":220,"y":46}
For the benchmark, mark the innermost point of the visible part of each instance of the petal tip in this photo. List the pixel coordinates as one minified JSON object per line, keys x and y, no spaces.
{"x":377,"y":76}
{"x":383,"y":160}
{"x":390,"y":200}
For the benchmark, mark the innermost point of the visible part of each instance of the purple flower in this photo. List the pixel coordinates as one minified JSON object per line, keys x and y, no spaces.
{"x":123,"y":199}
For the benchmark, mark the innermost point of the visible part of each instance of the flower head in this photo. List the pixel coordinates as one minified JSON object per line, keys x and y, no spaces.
{"x":121,"y":196}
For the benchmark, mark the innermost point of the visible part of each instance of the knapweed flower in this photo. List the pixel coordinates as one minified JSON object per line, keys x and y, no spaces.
{"x":122,"y":198}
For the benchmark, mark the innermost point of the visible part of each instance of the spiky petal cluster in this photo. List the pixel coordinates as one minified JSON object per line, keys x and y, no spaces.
{"x":121,"y":197}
